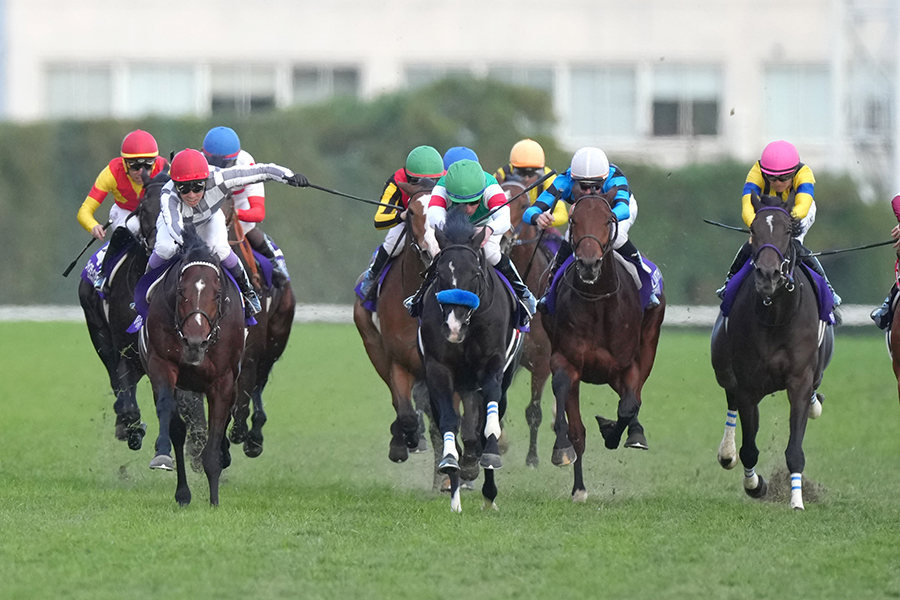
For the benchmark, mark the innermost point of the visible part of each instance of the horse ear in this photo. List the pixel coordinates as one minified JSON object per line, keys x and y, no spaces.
{"x":440,"y":238}
{"x":478,"y":238}
{"x":754,"y":200}
{"x":789,"y":203}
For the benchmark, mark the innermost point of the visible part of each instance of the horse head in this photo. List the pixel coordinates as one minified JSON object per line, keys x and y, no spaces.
{"x":592,"y":231}
{"x":459,"y":278}
{"x":415,"y":219}
{"x":514,"y":186}
{"x":773,"y":255}
{"x":200,"y":299}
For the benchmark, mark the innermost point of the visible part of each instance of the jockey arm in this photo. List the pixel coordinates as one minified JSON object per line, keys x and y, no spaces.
{"x":257,"y":211}
{"x":105,"y":183}
{"x":385,"y":217}
{"x":803,"y":186}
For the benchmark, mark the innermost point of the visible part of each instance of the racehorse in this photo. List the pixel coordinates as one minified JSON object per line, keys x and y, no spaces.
{"x":598,"y":334}
{"x":773,"y":339}
{"x":469,"y":344}
{"x":193,"y":338}
{"x":265,"y":342}
{"x":530,"y":253}
{"x":108,"y":318}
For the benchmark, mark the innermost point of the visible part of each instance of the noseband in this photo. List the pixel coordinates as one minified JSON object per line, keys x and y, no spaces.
{"x":786,"y":269}
{"x":480,"y":280}
{"x":213,"y":335}
{"x":612,"y":224}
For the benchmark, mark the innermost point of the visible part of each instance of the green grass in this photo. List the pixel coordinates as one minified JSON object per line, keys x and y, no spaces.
{"x":324,"y":514}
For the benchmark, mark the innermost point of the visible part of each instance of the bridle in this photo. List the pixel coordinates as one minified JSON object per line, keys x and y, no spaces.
{"x":786,"y":269}
{"x":605,"y":247}
{"x":480,"y":278}
{"x":221,"y":304}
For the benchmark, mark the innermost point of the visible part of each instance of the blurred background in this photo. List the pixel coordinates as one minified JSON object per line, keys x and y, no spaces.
{"x":682,"y":95}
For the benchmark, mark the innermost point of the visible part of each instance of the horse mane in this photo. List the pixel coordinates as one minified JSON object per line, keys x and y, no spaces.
{"x":194,"y":247}
{"x":777,"y":202}
{"x":457,"y":228}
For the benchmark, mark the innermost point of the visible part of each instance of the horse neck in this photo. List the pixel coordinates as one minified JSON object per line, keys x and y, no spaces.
{"x":410,"y":265}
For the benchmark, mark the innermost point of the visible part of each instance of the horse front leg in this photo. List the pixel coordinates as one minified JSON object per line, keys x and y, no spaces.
{"x":163,"y":375}
{"x":440,"y":392}
{"x":220,"y":398}
{"x":564,"y":379}
{"x":178,"y":431}
{"x":491,"y":387}
{"x":727,"y":456}
{"x":533,"y":413}
{"x":627,"y":411}
{"x":748,"y":410}
{"x":241,"y":411}
{"x":129,"y":426}
{"x":798,"y":394}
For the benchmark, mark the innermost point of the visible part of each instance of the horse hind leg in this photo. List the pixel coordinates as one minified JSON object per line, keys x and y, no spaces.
{"x":253,"y":445}
{"x":727,"y":454}
{"x":534,"y":416}
{"x":178,"y":430}
{"x":563,"y":450}
{"x":489,"y":491}
{"x":754,"y":484}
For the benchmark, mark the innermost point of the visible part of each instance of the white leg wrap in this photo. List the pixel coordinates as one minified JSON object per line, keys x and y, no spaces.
{"x":751,"y":479}
{"x":815,"y":407}
{"x":727,"y":449}
{"x":797,"y":491}
{"x":456,"y":502}
{"x":492,"y":426}
{"x":450,"y":445}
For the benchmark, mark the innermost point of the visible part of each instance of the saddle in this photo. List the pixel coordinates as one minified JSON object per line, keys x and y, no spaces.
{"x":648,"y":280}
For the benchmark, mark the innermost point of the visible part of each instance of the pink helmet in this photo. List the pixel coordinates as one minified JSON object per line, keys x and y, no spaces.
{"x":779,"y":158}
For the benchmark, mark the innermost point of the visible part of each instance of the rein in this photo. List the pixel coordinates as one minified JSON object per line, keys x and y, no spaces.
{"x":213,"y":335}
{"x":787,"y":262}
{"x":605,"y":248}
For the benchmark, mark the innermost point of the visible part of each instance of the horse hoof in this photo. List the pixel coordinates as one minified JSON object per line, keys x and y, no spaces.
{"x":760,"y":490}
{"x":162,"y":462}
{"x":637,"y":440}
{"x":444,"y":486}
{"x":579,"y":496}
{"x":421,"y":447}
{"x":466,"y":484}
{"x":491,"y":461}
{"x":448,"y":465}
{"x":252,"y":449}
{"x":532,"y":461}
{"x":237,"y":437}
{"x":398,"y":454}
{"x":489,"y":505}
{"x":121,"y":432}
{"x":183,"y":497}
{"x":608,"y":431}
{"x":135,"y":436}
{"x":728,"y":463}
{"x":469,"y":468}
{"x":564,"y":456}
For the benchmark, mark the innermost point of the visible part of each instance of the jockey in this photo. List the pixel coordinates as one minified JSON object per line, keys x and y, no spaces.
{"x":590,"y":173}
{"x":222,"y":149}
{"x":883,"y":315}
{"x":457,"y":153}
{"x":123,"y":178}
{"x":469,"y":188}
{"x":194,"y":195}
{"x":526,"y":161}
{"x":423,"y":167}
{"x":780,"y":173}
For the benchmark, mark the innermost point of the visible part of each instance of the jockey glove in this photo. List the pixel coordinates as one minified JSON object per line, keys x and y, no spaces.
{"x":297,"y":180}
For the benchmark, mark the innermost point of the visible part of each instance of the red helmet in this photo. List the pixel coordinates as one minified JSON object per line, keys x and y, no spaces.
{"x":189,"y":165}
{"x":779,"y":158}
{"x":139,"y":144}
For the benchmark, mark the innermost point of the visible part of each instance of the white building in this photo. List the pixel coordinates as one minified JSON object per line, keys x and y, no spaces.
{"x":664,"y":81}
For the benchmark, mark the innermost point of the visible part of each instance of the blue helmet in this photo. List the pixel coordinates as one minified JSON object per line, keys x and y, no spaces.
{"x":222,"y":143}
{"x":457,"y":153}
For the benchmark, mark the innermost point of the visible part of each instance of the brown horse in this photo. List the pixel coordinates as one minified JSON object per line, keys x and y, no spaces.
{"x":598,"y":334}
{"x":523,"y":244}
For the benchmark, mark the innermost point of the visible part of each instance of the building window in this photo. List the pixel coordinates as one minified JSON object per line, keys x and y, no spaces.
{"x":540,"y":78}
{"x":798,"y":101}
{"x":315,"y":84}
{"x":422,"y":75}
{"x":602,"y":102}
{"x":871,"y":101}
{"x":160,"y":89}
{"x":79,"y":92}
{"x":686,"y":100}
{"x":242,"y":89}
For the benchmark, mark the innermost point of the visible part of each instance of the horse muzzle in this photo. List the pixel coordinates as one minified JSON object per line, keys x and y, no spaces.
{"x":194,"y":351}
{"x":456,"y":325}
{"x":588,"y":269}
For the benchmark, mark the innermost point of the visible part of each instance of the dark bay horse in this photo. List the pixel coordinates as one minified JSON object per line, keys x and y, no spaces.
{"x":265,"y":343}
{"x":193,"y":339}
{"x":772,"y":340}
{"x":108,"y":318}
{"x":598,"y":334}
{"x":389,"y":334}
{"x":469,"y":346}
{"x":530,"y":253}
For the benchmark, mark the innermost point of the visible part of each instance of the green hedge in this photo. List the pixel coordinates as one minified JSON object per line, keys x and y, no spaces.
{"x":47,"y":169}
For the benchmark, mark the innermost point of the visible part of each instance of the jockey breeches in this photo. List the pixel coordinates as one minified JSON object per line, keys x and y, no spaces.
{"x":806,"y":222}
{"x":214,"y":232}
{"x":394,"y":240}
{"x":117,"y":215}
{"x":492,"y":249}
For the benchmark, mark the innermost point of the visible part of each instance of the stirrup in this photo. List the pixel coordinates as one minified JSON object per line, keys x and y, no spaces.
{"x":529,"y":302}
{"x":252,"y":301}
{"x":721,"y":291}
{"x":368,"y":280}
{"x":881,"y":316}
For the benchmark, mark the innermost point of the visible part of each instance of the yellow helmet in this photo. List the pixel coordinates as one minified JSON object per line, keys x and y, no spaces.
{"x":527,"y":153}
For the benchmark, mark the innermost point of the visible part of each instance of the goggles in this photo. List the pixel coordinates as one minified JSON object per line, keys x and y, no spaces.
{"x":526,"y":171}
{"x":590,"y":184}
{"x":136,"y":164}
{"x":186,"y":187}
{"x":413,"y":180}
{"x":781,"y":178}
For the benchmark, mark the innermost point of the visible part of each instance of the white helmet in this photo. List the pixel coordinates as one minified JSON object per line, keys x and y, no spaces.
{"x":590,"y":163}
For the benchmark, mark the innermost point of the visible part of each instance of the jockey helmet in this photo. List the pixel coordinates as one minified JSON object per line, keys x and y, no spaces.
{"x":779,"y":158}
{"x":424,"y":161}
{"x":139,"y":144}
{"x":189,"y":165}
{"x":465,"y":181}
{"x":220,"y":145}
{"x":590,"y":163}
{"x":458,"y":153}
{"x":527,"y":153}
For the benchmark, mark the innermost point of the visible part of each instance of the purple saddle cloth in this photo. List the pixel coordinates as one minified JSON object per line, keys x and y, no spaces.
{"x":371,"y":303}
{"x":824,"y":298}
{"x":651,"y":283}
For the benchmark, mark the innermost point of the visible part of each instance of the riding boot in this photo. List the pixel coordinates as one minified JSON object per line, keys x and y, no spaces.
{"x":813,"y":263}
{"x":120,"y":240}
{"x":240,"y":276}
{"x":633,"y":255}
{"x":263,"y":244}
{"x":739,"y":259}
{"x":562,"y":255}
{"x":374,"y":270}
{"x":505,"y":266}
{"x":413,"y":304}
{"x":883,"y":315}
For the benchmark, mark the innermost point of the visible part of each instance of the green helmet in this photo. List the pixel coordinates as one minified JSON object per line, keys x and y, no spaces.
{"x":424,"y":161}
{"x":465,"y":181}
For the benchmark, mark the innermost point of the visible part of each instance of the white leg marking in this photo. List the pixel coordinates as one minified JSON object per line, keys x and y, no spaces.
{"x":492,"y":426}
{"x":797,"y":491}
{"x":450,"y":445}
{"x":455,"y":502}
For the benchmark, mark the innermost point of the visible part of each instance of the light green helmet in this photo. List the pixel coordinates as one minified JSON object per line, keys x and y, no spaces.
{"x":465,"y":181}
{"x":424,"y":161}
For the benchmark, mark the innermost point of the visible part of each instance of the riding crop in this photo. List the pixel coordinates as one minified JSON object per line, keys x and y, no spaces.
{"x":83,"y":250}
{"x":822,"y":253}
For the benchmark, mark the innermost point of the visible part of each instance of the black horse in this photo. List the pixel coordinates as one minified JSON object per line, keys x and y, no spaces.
{"x":773,"y":339}
{"x":193,"y":339}
{"x":469,"y":344}
{"x":109,"y":317}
